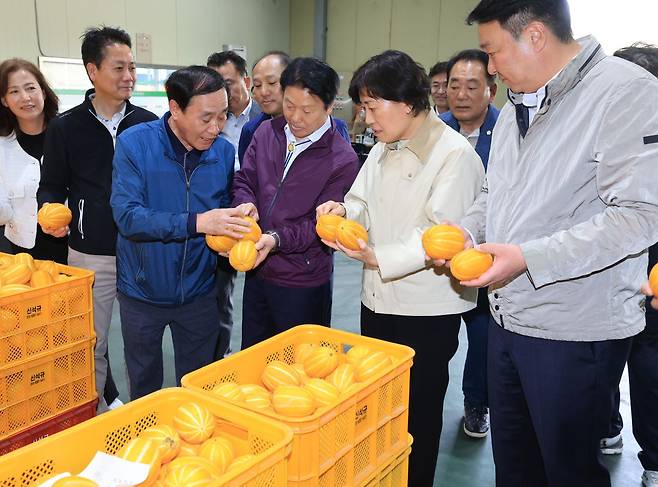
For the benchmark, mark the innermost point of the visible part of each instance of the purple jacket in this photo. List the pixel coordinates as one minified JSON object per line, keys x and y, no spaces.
{"x":325,"y":171}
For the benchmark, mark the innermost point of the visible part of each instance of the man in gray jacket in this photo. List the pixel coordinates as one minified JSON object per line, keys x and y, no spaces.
{"x":569,"y":209}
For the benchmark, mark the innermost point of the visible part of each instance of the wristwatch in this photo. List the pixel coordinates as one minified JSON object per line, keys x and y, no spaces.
{"x":277,"y":239}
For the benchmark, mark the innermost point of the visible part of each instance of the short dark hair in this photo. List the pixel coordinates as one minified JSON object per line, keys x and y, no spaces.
{"x":218,"y":59}
{"x":438,"y":68}
{"x":96,"y":39}
{"x":644,"y":55}
{"x":8,"y":121}
{"x":473,"y":55}
{"x":515,"y":15}
{"x":189,"y":82}
{"x":284,"y":58}
{"x":395,"y":76}
{"x":313,"y":75}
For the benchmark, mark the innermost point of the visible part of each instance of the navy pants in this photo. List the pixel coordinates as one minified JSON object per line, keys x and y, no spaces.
{"x":643,"y":380}
{"x":194,"y":334}
{"x":269,"y":309}
{"x":550,"y":404}
{"x":435,"y":340}
{"x":225,"y":282}
{"x":474,"y":382}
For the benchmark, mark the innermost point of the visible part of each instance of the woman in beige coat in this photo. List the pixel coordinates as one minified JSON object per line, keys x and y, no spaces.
{"x":420,"y":173}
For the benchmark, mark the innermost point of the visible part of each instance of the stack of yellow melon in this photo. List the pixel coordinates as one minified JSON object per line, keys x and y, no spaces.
{"x":320,"y":377}
{"x":242,"y":253}
{"x":20,"y":272}
{"x":189,"y":452}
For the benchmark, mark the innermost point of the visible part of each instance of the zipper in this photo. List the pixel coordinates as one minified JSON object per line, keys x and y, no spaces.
{"x":187,"y":208}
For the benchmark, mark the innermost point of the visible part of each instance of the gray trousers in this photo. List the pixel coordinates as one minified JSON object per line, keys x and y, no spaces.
{"x":104,"y":294}
{"x":225,"y":284}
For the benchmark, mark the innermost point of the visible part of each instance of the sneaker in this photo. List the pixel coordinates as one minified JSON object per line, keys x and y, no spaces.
{"x":476,"y":421}
{"x":115,"y":404}
{"x":650,"y":478}
{"x":612,"y":446}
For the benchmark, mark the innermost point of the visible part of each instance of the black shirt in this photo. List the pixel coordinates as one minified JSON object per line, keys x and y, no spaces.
{"x":32,"y":144}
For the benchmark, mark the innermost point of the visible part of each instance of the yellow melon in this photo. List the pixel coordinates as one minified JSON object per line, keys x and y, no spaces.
{"x":219,"y":451}
{"x":25,"y":258}
{"x":299,"y":368}
{"x":74,"y":481}
{"x":146,"y":451}
{"x":256,"y":396}
{"x":321,"y":362}
{"x":349,"y":232}
{"x":40,"y":278}
{"x":167,"y":440}
{"x":220,"y":243}
{"x":293,"y":401}
{"x":53,"y":216}
{"x":5,"y":261}
{"x":343,"y":377}
{"x":372,"y":365}
{"x":279,"y":373}
{"x":242,"y":256}
{"x":194,"y":422}
{"x":303,"y":350}
{"x":228,"y":390}
{"x":327,"y":225}
{"x":470,"y":264}
{"x":189,"y":472}
{"x":355,"y":354}
{"x":188,"y":449}
{"x":18,"y":273}
{"x":443,"y":241}
{"x":254,"y":233}
{"x":49,"y":266}
{"x":325,"y":393}
{"x":10,"y":289}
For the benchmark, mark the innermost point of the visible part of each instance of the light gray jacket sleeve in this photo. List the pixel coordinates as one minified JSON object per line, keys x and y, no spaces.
{"x":474,"y":222}
{"x":626,"y":153}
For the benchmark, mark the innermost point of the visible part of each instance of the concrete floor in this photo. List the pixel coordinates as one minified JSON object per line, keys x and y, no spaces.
{"x":462,"y":461}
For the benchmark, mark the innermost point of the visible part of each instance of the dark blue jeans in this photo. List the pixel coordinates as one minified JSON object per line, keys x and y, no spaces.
{"x":643,"y":380}
{"x":194,"y":333}
{"x":550,"y":404}
{"x":474,"y":381}
{"x":269,"y":309}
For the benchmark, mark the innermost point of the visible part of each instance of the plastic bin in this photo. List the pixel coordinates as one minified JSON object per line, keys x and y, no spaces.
{"x":336,"y":446}
{"x":395,"y":473}
{"x":72,"y":449}
{"x":43,"y":320}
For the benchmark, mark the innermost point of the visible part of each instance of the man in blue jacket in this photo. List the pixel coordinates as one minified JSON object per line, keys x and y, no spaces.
{"x":471,"y":90}
{"x":170,"y":185}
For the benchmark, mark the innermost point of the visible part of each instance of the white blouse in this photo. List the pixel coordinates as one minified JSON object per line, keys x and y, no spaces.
{"x":19,"y":182}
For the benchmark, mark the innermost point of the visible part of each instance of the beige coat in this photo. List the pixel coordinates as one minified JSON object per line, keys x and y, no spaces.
{"x":401,"y":190}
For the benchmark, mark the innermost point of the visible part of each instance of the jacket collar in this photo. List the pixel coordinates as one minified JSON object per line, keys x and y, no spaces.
{"x":278,"y":124}
{"x":429,"y":132}
{"x":207,"y":156}
{"x":488,"y":124}
{"x":90,"y":106}
{"x":591,"y":53}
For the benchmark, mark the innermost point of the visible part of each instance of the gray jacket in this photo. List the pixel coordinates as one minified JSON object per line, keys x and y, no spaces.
{"x":580,"y":196}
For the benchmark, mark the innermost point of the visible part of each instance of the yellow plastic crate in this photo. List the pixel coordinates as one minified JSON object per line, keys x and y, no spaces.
{"x":40,"y":389}
{"x":394,"y":474}
{"x":72,"y":449}
{"x":342,"y":445}
{"x":40,"y":321}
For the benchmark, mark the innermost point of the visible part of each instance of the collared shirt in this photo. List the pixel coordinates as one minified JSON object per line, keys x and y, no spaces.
{"x":471,"y":137}
{"x":111,"y":124}
{"x":233,"y":129}
{"x":296,"y":146}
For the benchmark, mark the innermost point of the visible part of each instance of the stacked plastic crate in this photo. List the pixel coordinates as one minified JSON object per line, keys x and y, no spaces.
{"x":46,"y":356}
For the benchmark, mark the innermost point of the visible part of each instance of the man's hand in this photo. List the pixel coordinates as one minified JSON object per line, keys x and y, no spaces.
{"x":330,"y":207}
{"x":467,"y":245}
{"x":222,"y":221}
{"x":646,"y":289}
{"x":508,"y":264}
{"x":366,"y":254}
{"x":248,"y":209}
{"x":264,"y":246}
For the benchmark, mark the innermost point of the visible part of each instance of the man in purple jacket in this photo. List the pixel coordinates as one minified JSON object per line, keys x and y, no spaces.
{"x":293,"y":164}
